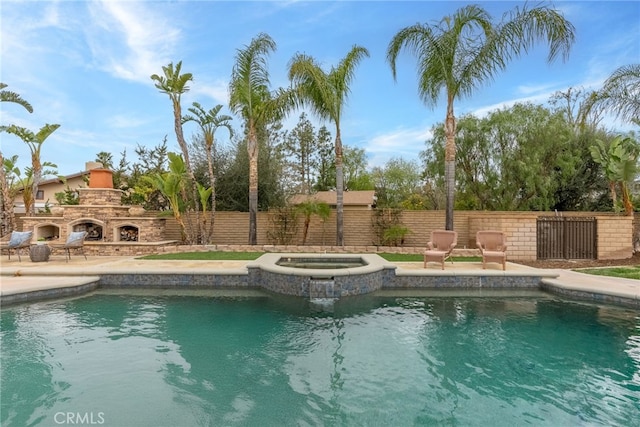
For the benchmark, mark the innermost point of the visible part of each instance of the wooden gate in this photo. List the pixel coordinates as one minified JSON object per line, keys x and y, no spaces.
{"x":566,"y":237}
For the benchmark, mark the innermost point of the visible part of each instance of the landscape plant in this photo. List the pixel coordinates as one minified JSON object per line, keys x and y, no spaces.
{"x":465,"y":50}
{"x":250,"y":98}
{"x":174,"y":83}
{"x":310,"y":208}
{"x":326,"y":93}
{"x":209,"y":122}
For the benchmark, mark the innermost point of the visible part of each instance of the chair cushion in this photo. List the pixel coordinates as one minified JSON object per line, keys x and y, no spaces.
{"x":18,"y":238}
{"x":76,"y":237}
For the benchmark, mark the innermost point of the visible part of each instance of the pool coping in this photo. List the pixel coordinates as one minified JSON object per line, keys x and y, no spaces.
{"x":27,"y":282}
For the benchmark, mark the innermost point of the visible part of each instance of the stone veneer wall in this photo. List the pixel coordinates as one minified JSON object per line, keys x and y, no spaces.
{"x":100,"y":206}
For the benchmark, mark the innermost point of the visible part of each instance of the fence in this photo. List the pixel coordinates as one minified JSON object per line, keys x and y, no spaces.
{"x":566,"y":237}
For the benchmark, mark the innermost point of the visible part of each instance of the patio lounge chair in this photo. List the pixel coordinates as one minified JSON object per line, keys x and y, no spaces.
{"x":74,"y":241}
{"x":493,"y":247}
{"x":18,"y":240}
{"x":440,"y":247}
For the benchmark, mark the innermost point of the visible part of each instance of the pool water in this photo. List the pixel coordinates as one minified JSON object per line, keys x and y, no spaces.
{"x":170,"y":360}
{"x":323,"y":263}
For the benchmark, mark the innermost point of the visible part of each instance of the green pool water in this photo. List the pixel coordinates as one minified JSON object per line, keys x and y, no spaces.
{"x":171,"y":360}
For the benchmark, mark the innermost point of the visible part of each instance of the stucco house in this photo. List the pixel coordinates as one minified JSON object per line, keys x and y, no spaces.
{"x":47,"y":189}
{"x":352,"y":200}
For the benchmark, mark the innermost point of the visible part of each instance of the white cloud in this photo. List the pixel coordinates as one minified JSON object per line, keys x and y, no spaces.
{"x":400,"y":143}
{"x":217,"y":90}
{"x":130,"y":40}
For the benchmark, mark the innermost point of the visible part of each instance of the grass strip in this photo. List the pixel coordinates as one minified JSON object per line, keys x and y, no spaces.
{"x":206,"y":256}
{"x":250,"y":256}
{"x":623,"y":272}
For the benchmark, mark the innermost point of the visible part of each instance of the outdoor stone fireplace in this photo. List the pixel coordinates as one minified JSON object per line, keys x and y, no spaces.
{"x":101,"y":214}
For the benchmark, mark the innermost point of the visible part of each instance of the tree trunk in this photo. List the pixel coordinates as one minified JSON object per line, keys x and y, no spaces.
{"x":252,"y":148}
{"x":37,"y":177}
{"x":450,"y":165}
{"x":212,"y":181}
{"x":7,"y":224}
{"x":194,"y":236}
{"x":339,"y":191}
{"x":626,"y":199}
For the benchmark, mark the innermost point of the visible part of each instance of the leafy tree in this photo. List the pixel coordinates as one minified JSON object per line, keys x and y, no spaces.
{"x":34,"y":141}
{"x":233,"y":181}
{"x":356,"y":176}
{"x":209,"y":122}
{"x":525,"y":157}
{"x":396,"y":182}
{"x":174,"y":84}
{"x":465,"y":50}
{"x":299,"y":149}
{"x":326,"y":167}
{"x":326,"y":94}
{"x":250,"y":98}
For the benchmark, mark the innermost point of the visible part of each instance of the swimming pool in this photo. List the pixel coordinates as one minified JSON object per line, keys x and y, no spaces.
{"x":172,"y":358}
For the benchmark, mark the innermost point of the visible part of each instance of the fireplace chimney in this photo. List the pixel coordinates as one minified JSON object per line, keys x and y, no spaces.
{"x":100,"y":178}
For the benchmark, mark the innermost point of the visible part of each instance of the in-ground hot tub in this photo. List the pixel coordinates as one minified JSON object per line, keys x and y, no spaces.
{"x":320,"y":275}
{"x":323,"y":263}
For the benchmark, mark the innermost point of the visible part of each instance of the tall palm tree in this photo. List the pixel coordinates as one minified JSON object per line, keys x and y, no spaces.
{"x":34,"y":141}
{"x":249,"y":97}
{"x":6,"y":202}
{"x":209,"y":122}
{"x":326,"y":94}
{"x":174,"y":84}
{"x":467,"y":49}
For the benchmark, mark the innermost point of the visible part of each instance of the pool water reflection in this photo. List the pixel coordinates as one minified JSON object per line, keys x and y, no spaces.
{"x":152,"y":360}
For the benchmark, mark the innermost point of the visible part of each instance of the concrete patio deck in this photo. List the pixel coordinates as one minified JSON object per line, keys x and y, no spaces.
{"x":80,"y":275}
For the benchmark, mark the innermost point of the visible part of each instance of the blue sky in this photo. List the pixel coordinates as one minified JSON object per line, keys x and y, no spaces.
{"x":87,"y":67}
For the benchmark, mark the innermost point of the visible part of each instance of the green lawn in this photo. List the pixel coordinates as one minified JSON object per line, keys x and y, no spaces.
{"x":624,"y":272}
{"x":249,"y":256}
{"x":207,"y":256}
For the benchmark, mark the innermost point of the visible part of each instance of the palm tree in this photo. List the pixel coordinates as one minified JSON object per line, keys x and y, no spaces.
{"x":174,"y":84}
{"x":620,"y":94}
{"x":619,"y":161}
{"x":6,"y":203}
{"x":326,"y":94}
{"x":466,"y":50}
{"x":8,"y":96}
{"x":209,"y":122}
{"x":171,"y":185}
{"x":34,"y":141}
{"x":249,"y":97}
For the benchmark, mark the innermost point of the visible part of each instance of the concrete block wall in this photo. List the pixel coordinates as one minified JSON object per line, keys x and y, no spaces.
{"x":231,"y":231}
{"x":615,"y":237}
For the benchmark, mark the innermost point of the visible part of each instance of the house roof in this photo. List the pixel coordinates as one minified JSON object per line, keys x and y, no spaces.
{"x":67,"y":177}
{"x":88,"y":166}
{"x":350,"y":198}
